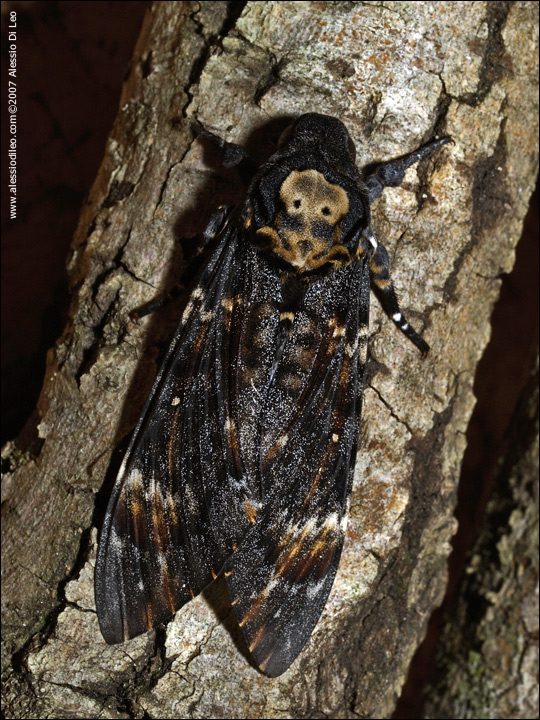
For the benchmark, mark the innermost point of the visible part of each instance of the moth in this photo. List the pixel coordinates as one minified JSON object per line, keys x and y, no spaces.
{"x":243,"y":459}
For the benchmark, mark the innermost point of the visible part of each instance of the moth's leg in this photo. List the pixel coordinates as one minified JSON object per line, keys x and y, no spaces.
{"x":214,"y":227}
{"x":230,"y":154}
{"x":379,"y":267}
{"x":391,"y":173}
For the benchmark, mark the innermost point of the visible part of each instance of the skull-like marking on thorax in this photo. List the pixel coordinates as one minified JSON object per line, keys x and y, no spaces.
{"x":307,"y":232}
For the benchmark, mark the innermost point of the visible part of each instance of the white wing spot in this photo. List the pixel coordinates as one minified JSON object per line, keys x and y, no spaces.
{"x":187,"y":311}
{"x":313,"y":590}
{"x":116,"y":542}
{"x":152,"y":490}
{"x":331,"y":521}
{"x":162,"y":562}
{"x":205,"y":315}
{"x":135,"y":479}
{"x":305,"y":529}
{"x":363,"y":352}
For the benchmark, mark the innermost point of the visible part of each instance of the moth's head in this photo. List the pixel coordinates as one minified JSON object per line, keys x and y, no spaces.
{"x":319,"y":134}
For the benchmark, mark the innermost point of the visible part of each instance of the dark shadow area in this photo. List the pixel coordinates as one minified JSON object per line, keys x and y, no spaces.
{"x":217,"y":596}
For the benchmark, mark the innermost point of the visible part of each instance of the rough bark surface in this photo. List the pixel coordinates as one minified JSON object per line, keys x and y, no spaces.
{"x":487,"y":658}
{"x":398,"y":74}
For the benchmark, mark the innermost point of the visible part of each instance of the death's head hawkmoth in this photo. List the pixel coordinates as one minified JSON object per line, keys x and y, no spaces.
{"x":242,"y":461}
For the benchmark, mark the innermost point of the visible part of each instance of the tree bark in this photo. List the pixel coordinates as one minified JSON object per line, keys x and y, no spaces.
{"x":397,"y":74}
{"x":487,"y":658}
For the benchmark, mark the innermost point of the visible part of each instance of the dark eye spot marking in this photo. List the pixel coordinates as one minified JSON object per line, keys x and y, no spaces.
{"x":325,"y":210}
{"x":297,"y":203}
